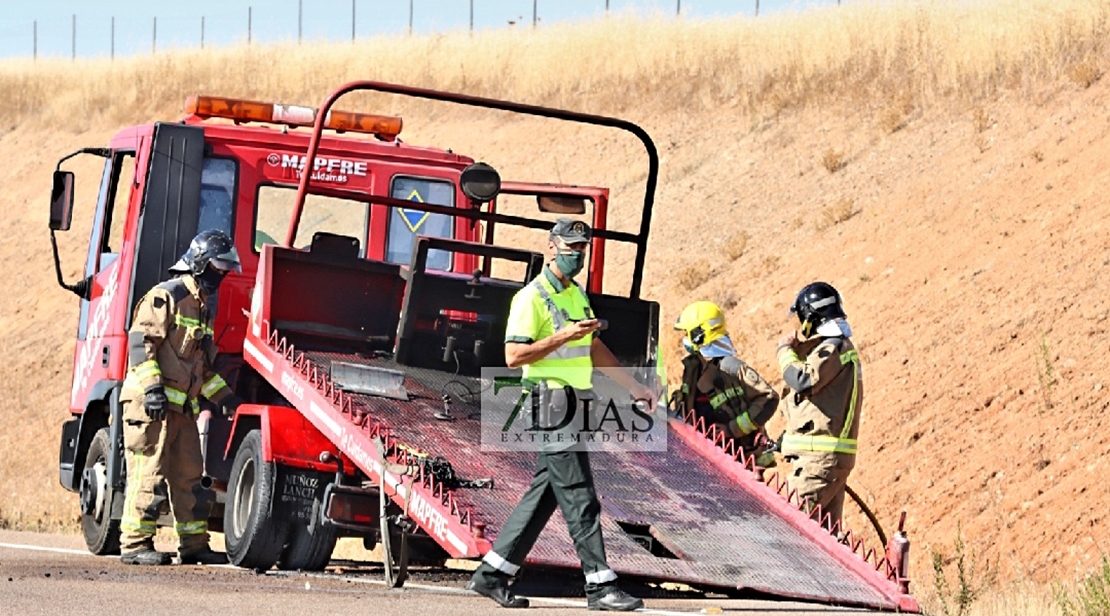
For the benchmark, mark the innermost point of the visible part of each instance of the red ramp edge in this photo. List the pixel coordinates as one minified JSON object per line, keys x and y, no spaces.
{"x":866,"y":563}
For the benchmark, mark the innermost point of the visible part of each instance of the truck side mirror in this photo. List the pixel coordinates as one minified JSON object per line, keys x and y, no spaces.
{"x":61,"y":201}
{"x":480,"y":183}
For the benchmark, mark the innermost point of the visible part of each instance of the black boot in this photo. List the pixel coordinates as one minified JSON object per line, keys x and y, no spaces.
{"x":616,"y":600}
{"x":145,"y":556}
{"x":205,"y":556}
{"x":496,"y":587}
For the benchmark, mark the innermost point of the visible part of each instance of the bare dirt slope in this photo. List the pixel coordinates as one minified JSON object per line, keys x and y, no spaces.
{"x":968,"y":239}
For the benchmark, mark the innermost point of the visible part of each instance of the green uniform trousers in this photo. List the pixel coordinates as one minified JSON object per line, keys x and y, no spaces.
{"x":563,"y":480}
{"x":162,"y":454}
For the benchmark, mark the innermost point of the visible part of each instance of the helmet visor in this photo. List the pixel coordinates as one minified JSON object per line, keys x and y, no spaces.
{"x":227,"y":261}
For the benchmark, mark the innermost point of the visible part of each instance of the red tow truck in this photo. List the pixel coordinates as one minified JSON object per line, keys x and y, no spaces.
{"x":374,"y":291}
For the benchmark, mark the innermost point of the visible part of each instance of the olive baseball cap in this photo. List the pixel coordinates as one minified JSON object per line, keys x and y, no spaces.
{"x":571,"y":231}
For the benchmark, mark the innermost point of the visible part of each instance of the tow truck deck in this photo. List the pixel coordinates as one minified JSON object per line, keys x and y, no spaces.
{"x":698,"y":514}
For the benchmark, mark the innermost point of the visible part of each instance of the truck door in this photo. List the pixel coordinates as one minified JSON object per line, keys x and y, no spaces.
{"x":170,"y":211}
{"x":100,"y":335}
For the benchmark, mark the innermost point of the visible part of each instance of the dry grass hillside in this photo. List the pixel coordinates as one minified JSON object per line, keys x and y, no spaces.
{"x":942,"y":163}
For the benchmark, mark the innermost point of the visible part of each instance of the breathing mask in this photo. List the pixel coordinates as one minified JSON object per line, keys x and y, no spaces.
{"x":209,"y":280}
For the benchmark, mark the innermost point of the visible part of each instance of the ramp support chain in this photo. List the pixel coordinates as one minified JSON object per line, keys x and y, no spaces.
{"x":395,"y":558}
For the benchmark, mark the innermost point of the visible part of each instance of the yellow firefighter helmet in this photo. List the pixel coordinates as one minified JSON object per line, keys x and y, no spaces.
{"x":703,"y":323}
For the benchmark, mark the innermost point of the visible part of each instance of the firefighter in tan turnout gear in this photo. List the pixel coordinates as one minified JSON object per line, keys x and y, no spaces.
{"x":718,"y":385}
{"x":171,"y":354}
{"x":822,"y":404}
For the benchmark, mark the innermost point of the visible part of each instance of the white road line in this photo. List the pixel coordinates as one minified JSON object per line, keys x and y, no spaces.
{"x":462,"y":591}
{"x":17,"y":546}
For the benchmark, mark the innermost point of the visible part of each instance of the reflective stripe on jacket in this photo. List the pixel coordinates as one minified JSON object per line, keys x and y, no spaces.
{"x":171,"y":344}
{"x":825,"y":396}
{"x":737,"y":396}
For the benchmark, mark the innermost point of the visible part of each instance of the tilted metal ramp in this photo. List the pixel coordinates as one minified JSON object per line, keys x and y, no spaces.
{"x":723,"y":527}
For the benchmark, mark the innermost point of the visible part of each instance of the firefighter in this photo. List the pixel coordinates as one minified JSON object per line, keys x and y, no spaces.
{"x":718,"y":385}
{"x":550,"y":333}
{"x":822,"y":400}
{"x":171,"y":354}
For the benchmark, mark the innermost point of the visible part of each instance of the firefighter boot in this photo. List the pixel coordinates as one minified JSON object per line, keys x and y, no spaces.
{"x":204,"y":556}
{"x":145,"y":556}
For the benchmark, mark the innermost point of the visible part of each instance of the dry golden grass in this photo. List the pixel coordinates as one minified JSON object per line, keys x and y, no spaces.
{"x":833,"y":160}
{"x":694,"y":275}
{"x":835,"y":213}
{"x":736,"y":246}
{"x":930,"y":53}
{"x":897,"y":112}
{"x":1085,"y":73}
{"x":981,"y":120}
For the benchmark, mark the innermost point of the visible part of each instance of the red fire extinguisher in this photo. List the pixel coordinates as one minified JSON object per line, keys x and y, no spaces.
{"x":898,"y":555}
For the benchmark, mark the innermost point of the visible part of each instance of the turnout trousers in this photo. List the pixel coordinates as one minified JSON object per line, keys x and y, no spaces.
{"x":822,"y":478}
{"x":563,"y":480}
{"x":160,"y":455}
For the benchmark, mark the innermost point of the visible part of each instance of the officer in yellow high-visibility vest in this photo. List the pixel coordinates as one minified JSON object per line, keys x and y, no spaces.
{"x":550,"y":333}
{"x":822,"y":404}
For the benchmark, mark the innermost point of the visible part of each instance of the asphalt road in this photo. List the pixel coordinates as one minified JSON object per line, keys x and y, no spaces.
{"x":51,"y":574}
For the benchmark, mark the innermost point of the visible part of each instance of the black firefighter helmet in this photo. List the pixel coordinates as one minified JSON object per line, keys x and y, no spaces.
{"x":209,"y":247}
{"x":817,"y":303}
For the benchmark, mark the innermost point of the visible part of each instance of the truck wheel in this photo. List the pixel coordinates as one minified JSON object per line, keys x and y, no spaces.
{"x":254,"y":539}
{"x":100,"y":530}
{"x":310,"y":545}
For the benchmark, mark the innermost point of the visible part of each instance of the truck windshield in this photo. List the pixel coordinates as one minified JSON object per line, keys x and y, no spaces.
{"x":321,"y":213}
{"x":405,"y":225}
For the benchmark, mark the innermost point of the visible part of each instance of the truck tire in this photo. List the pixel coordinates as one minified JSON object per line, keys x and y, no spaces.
{"x":309,"y":546}
{"x":100,"y":530}
{"x":254,"y":539}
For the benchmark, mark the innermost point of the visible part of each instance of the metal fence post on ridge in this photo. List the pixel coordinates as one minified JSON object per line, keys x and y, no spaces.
{"x":300,"y":19}
{"x":249,"y":25}
{"x":35,"y":41}
{"x":352,"y":21}
{"x":534,"y":3}
{"x":73,"y":41}
{"x":202,"y":31}
{"x":154,"y":38}
{"x":410,"y":17}
{"x":112,"y":42}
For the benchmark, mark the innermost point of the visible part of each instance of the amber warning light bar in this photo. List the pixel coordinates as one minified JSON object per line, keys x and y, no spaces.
{"x":384,"y":127}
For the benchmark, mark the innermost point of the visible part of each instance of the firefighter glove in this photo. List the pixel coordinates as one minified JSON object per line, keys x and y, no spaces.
{"x":231,"y":403}
{"x":155,"y":402}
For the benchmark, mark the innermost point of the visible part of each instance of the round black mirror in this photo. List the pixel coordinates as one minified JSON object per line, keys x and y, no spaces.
{"x":480,"y":182}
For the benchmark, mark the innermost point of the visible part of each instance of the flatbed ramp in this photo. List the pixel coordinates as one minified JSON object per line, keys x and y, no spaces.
{"x":693,"y":515}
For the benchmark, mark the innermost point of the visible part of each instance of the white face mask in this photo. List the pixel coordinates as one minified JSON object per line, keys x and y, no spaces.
{"x":836,"y":328}
{"x":721,"y":347}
